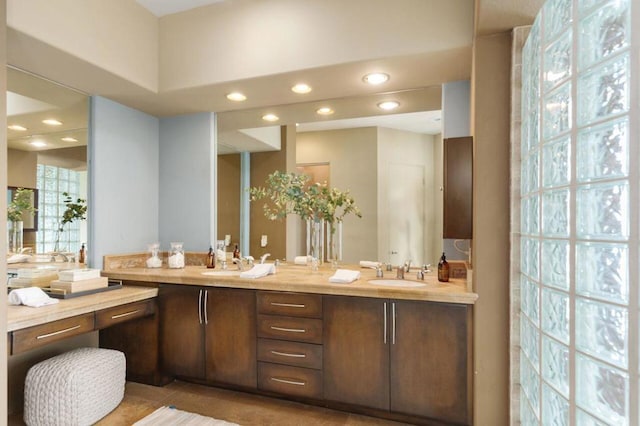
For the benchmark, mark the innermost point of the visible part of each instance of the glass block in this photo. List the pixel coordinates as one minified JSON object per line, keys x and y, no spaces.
{"x":602,"y":390}
{"x":555,"y":213}
{"x":534,"y":126}
{"x":73,"y":188}
{"x":50,"y":185}
{"x":530,"y":382}
{"x":555,"y":364}
{"x":557,"y":16}
{"x":555,"y":409}
{"x":556,"y":163}
{"x":557,"y":61}
{"x":530,"y":176}
{"x":555,"y":314}
{"x":524,"y":175}
{"x":555,"y":263}
{"x":583,"y":419}
{"x":529,"y":261}
{"x":50,"y":197}
{"x":50,"y":210}
{"x":527,"y":416}
{"x":603,"y":151}
{"x":601,"y":331}
{"x":602,"y":271}
{"x":603,"y":91}
{"x":530,"y":300}
{"x":51,"y":172}
{"x":603,"y":211}
{"x":529,"y":341}
{"x":63,"y":186}
{"x":529,"y":214}
{"x":604,"y":32}
{"x":63,"y":174}
{"x":557,"y":111}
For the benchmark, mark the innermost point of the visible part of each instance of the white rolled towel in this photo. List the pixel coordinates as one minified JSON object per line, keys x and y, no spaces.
{"x":300,"y":260}
{"x":344,"y":276}
{"x":369,"y":264}
{"x":258,"y":271}
{"x":30,"y":296}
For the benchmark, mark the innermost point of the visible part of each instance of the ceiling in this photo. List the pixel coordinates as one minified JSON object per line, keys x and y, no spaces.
{"x":168,"y":7}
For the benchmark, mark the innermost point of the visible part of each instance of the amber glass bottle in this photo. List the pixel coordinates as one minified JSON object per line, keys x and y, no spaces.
{"x":211,"y":259}
{"x":443,"y":269}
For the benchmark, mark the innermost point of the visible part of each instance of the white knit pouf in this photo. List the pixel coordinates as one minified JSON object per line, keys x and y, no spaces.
{"x":76,"y":388}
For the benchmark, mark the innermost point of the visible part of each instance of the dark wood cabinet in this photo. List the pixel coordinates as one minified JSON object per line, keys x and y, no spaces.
{"x":407,"y":357}
{"x":458,"y":188}
{"x":209,"y":334}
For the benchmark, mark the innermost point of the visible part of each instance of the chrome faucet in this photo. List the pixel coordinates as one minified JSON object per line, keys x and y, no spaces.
{"x":407,"y":265}
{"x":238,"y":262}
{"x":400,"y":273}
{"x":264,"y":257}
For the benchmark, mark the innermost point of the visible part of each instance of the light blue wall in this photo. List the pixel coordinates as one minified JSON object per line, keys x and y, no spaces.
{"x":123,"y":185}
{"x":187,"y":180}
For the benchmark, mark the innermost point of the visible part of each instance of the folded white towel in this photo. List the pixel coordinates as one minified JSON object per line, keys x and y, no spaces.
{"x":261,"y":270}
{"x":300,"y":260}
{"x":18,"y":258}
{"x":30,"y":296}
{"x":369,"y":264}
{"x":344,"y":276}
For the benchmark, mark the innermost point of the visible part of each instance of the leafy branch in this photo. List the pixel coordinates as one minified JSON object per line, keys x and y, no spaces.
{"x":75,"y":210}
{"x":20,"y":204}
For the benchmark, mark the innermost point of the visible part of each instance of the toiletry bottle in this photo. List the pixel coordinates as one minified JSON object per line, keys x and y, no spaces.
{"x":81,"y":257}
{"x":443,"y":269}
{"x":236,"y":253}
{"x":211,"y":259}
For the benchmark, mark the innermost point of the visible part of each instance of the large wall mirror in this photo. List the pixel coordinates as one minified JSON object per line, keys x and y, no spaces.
{"x":390,"y":161}
{"x":47,"y":150}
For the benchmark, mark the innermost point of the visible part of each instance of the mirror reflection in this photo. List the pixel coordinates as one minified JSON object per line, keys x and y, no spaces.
{"x":390,"y":162}
{"x":47,"y":150}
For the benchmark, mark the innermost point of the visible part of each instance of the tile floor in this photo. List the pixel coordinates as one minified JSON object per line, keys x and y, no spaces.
{"x":238,"y":407}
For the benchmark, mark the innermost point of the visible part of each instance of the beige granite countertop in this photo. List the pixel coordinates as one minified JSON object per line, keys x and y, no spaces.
{"x":19,"y":317}
{"x":301,"y":279}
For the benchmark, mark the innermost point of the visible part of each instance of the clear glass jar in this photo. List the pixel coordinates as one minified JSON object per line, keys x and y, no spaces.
{"x":154,"y":260}
{"x":176,"y":256}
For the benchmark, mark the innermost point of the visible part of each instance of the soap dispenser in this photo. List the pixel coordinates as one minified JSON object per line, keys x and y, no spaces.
{"x":443,"y":269}
{"x":211,"y":259}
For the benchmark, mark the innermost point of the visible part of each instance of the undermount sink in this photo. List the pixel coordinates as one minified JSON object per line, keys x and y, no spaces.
{"x":399,"y":283}
{"x":223,"y":273}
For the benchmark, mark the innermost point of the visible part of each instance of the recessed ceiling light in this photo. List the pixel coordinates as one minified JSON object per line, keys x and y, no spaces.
{"x":375,"y":78}
{"x":325,"y":111}
{"x":236,"y":96}
{"x":38,"y":144}
{"x":270,"y":117}
{"x":52,"y":122}
{"x":301,"y":88}
{"x":17,"y":127}
{"x":68,"y":139}
{"x":388,"y":105}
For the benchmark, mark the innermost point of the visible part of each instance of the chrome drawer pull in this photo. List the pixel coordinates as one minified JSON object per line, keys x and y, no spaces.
{"x":289,"y":330}
{"x":287,"y":305}
{"x":289,"y":355}
{"x":126,"y":314}
{"x":55,"y":333}
{"x":288,"y":382}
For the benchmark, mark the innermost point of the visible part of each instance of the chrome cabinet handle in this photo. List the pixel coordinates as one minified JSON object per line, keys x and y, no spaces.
{"x":55,"y":333}
{"x":384,"y":334}
{"x":288,"y":382}
{"x":126,"y":314}
{"x":288,"y":305}
{"x":393,"y":323}
{"x":206,"y":297}
{"x":289,"y":330}
{"x":289,"y":355}
{"x":200,"y":306}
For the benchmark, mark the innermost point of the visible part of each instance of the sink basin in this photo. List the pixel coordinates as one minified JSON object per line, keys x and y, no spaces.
{"x":398,"y":283}
{"x":224,"y":273}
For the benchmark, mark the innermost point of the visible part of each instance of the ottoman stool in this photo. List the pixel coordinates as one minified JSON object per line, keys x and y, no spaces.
{"x":76,"y":388}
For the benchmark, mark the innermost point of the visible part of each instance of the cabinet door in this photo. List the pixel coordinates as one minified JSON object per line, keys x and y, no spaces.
{"x":430,"y":361}
{"x":181,"y":345}
{"x":458,"y":187}
{"x":231,"y":336}
{"x":356,"y":352}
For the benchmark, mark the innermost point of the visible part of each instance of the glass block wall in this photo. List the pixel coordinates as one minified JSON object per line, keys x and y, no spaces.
{"x":579,"y":215}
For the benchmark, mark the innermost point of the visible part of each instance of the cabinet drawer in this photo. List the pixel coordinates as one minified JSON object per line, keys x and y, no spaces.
{"x":290,"y":304}
{"x":290,"y":380}
{"x":118,"y":314}
{"x":290,"y":328}
{"x":290,"y":353}
{"x":40,"y":335}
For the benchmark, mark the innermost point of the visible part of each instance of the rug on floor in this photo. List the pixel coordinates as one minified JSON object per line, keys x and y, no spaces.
{"x":171,"y":416}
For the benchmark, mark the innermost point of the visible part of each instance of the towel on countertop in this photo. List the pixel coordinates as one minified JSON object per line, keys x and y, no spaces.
{"x":30,"y":296}
{"x":369,"y":264}
{"x":344,"y":276}
{"x":300,"y":260}
{"x":18,"y":258}
{"x":261,"y":270}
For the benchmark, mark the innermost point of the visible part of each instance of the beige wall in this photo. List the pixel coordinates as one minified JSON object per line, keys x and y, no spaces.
{"x":228,"y":193}
{"x":490,"y":128}
{"x":352,"y":156}
{"x":21,"y":168}
{"x":3,"y":207}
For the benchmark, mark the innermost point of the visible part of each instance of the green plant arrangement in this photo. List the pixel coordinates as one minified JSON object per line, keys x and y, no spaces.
{"x":20,"y":204}
{"x":75,"y":210}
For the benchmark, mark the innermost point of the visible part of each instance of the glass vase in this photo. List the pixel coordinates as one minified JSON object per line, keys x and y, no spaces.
{"x":334,"y":243}
{"x":176,"y":256}
{"x":315,"y":242}
{"x":14,"y":235}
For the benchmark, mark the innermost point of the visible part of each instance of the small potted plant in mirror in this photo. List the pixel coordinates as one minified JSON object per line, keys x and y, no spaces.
{"x":20,"y":205}
{"x":75,"y":210}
